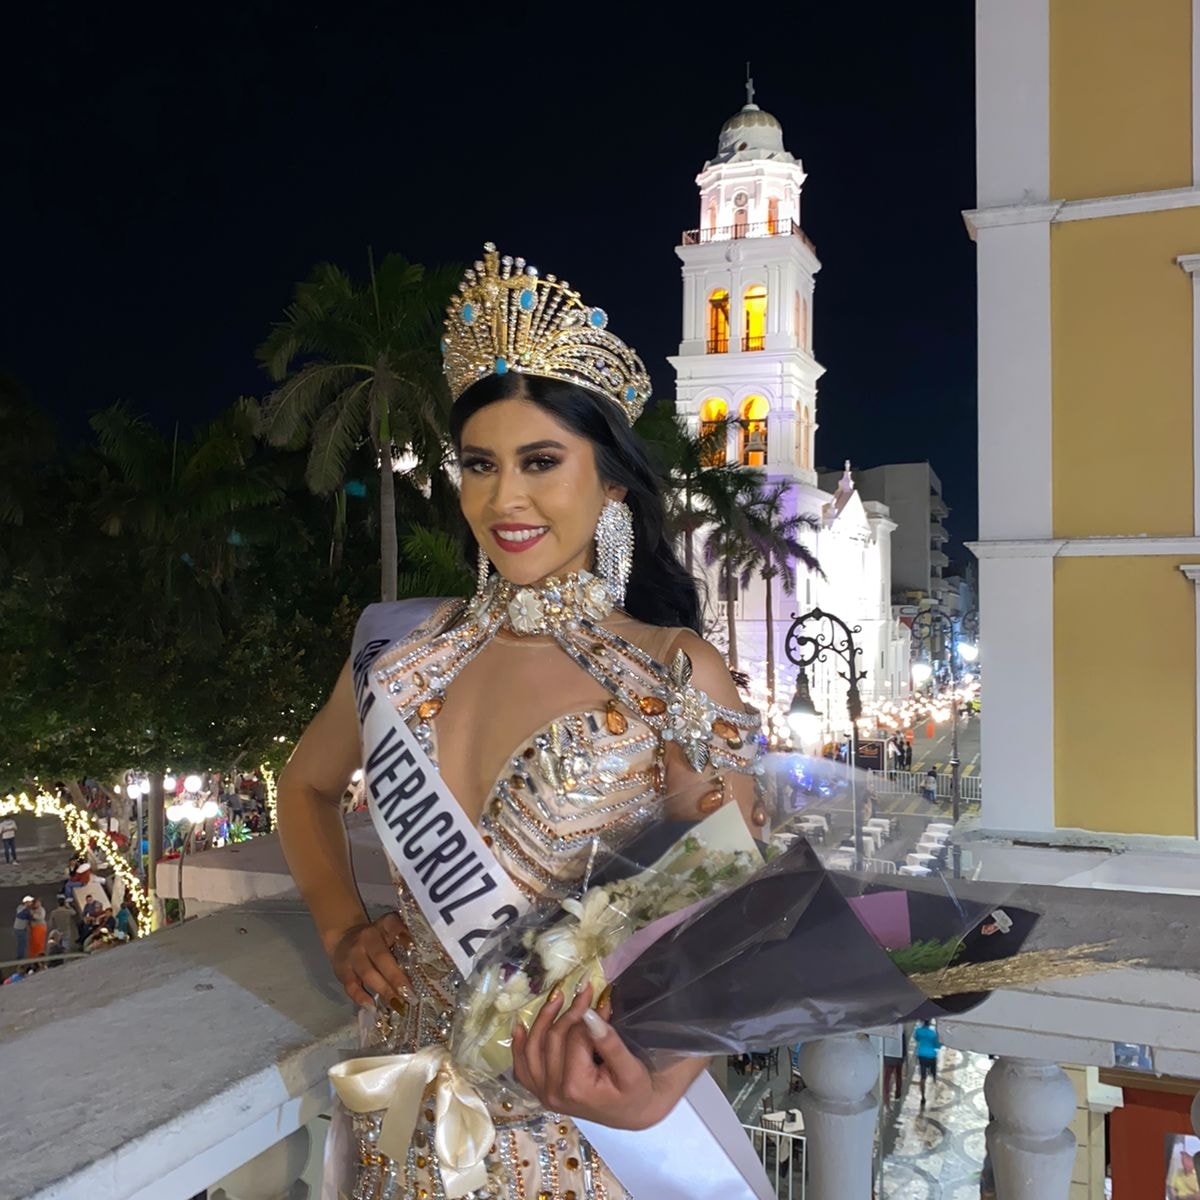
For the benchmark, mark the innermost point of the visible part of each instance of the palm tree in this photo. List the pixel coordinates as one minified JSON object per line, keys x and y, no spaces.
{"x":181,"y":505}
{"x":359,"y":363}
{"x":697,"y":482}
{"x":772,"y":545}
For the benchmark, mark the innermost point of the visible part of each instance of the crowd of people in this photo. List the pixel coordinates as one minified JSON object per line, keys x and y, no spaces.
{"x":93,"y":924}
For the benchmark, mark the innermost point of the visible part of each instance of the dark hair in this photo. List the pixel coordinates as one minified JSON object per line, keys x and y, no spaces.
{"x":660,"y":591}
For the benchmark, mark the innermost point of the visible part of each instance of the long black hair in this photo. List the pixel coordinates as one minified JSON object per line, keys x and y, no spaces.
{"x":659,"y":591}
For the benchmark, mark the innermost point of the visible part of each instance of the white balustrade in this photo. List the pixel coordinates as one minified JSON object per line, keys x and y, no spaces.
{"x":272,"y":1175}
{"x":840,"y":1109}
{"x":1029,"y":1139}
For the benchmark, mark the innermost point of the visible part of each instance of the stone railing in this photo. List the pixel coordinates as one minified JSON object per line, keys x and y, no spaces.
{"x":196,"y":1059}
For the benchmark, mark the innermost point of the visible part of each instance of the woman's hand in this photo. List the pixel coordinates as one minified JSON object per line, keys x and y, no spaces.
{"x":579,"y":1066}
{"x":365,"y":964}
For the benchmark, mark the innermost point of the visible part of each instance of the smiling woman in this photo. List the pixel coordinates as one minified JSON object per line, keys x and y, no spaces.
{"x":506,"y":742}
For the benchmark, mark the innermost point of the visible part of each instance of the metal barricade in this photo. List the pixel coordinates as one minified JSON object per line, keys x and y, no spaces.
{"x":783,"y":1158}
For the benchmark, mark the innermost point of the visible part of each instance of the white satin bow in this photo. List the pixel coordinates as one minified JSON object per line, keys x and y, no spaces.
{"x":463,"y":1132}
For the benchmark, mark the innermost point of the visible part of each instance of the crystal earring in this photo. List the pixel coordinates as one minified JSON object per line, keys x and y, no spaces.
{"x":482,"y":571}
{"x":614,"y":547}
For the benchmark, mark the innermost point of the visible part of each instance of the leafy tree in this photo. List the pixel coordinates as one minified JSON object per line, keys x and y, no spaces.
{"x":359,"y":363}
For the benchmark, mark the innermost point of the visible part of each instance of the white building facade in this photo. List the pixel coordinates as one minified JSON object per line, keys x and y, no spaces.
{"x":746,"y":357}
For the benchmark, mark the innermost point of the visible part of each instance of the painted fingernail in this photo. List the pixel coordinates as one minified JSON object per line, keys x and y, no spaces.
{"x":597,"y":1026}
{"x":555,"y":997}
{"x":398,"y":1004}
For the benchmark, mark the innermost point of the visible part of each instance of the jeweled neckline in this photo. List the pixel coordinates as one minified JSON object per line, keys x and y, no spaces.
{"x":553,"y":606}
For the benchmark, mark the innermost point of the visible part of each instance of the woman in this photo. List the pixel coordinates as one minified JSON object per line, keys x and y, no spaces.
{"x":557,"y":709}
{"x":37,"y":930}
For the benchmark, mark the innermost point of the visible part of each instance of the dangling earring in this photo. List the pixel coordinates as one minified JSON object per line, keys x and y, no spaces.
{"x":482,"y":571}
{"x":614,"y":548}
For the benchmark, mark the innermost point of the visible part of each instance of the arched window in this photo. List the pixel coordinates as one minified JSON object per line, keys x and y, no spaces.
{"x":754,"y":432}
{"x":713,"y":415}
{"x":772,"y":215}
{"x":755,"y":306}
{"x":740,"y":223}
{"x":718,"y":322}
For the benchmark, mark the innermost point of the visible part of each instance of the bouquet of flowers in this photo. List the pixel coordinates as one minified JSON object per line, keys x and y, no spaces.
{"x":715,"y":945}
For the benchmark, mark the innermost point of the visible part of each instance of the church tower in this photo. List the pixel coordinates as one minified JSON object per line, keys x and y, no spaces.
{"x":748,"y":275}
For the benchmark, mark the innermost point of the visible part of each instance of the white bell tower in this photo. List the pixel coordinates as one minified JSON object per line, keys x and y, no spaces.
{"x":748,"y":302}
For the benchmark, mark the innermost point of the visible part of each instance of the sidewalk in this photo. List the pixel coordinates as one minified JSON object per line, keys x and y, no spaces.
{"x":937,"y":1153}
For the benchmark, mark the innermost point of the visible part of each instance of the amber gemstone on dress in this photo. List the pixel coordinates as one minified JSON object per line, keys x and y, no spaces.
{"x":429,"y":1114}
{"x":562,"y":1129}
{"x":724,"y":729}
{"x":529,"y":751}
{"x":572,"y":1165}
{"x":419,"y":1138}
{"x":569,"y":1194}
{"x":614,"y":719}
{"x":525,"y":1163}
{"x":507,"y":1105}
{"x":711,"y":801}
{"x":516,"y":781}
{"x":421,"y":1161}
{"x":759,"y":815}
{"x":652,"y":706}
{"x":544,"y":1195}
{"x":598,"y":647}
{"x":419,"y":680}
{"x":428,"y":709}
{"x":487,"y":839}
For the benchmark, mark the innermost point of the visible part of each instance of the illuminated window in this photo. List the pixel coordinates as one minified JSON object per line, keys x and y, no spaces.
{"x":718,"y":322}
{"x":740,"y":223}
{"x":713,"y":414}
{"x":753,"y":452}
{"x":755,"y":306}
{"x":772,"y":216}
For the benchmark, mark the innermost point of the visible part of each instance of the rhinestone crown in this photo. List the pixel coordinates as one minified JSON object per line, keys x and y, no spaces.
{"x":507,"y":317}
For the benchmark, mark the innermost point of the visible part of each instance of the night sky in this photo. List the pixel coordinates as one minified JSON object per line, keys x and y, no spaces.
{"x":170,"y":171}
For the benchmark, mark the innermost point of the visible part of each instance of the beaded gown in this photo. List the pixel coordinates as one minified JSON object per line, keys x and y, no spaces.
{"x":557,"y":720}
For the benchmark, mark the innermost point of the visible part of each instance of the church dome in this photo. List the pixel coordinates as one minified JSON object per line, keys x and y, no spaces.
{"x":751,"y":134}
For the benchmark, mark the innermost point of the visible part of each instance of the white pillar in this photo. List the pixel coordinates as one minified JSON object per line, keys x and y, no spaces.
{"x":274,"y":1174}
{"x":1031,"y":1145}
{"x":840,"y":1109}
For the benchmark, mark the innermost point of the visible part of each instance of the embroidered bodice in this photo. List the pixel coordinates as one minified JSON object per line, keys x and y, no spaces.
{"x":565,"y":724}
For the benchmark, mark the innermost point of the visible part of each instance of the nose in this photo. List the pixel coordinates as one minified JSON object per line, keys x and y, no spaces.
{"x":509,"y":495}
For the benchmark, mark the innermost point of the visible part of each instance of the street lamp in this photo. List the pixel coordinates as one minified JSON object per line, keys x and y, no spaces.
{"x":921,"y":673}
{"x":833,"y":636}
{"x":803,"y":716}
{"x":194,"y":812}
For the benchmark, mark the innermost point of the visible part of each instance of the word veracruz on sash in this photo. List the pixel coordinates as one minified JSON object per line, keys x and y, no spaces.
{"x":461,"y":889}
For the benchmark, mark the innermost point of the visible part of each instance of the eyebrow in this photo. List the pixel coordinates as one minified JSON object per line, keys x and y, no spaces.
{"x":545,"y":444}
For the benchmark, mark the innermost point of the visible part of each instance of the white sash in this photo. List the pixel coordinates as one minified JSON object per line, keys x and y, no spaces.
{"x":699,"y":1151}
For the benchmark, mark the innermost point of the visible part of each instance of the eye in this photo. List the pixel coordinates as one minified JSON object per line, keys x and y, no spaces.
{"x":476,"y":466}
{"x":541,"y":462}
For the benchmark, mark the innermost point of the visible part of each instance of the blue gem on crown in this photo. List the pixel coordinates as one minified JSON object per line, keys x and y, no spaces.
{"x":598,"y":318}
{"x":527,"y":300}
{"x":468,"y":313}
{"x":501,"y":366}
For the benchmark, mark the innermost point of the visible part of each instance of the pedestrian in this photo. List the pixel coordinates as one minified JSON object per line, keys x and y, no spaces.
{"x":895,"y":1052}
{"x":55,"y":949}
{"x":929,"y":786}
{"x":62,"y":920}
{"x":926,"y":1038}
{"x":126,"y":920}
{"x":21,"y":925}
{"x":37,"y":930}
{"x":8,"y":834}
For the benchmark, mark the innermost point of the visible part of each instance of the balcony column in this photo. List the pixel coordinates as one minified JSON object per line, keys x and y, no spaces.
{"x":840,"y":1109}
{"x":1029,"y":1139}
{"x":272,"y":1175}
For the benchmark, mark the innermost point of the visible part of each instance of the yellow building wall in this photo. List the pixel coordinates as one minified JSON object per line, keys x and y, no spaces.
{"x":1124,"y":696}
{"x":1120,"y":97}
{"x":1121,"y":365}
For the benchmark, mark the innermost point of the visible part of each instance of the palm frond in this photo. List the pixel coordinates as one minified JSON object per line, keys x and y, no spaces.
{"x":289,"y":409}
{"x":336,"y":433}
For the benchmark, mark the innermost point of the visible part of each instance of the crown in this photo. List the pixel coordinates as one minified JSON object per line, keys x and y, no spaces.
{"x":509,"y":318}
